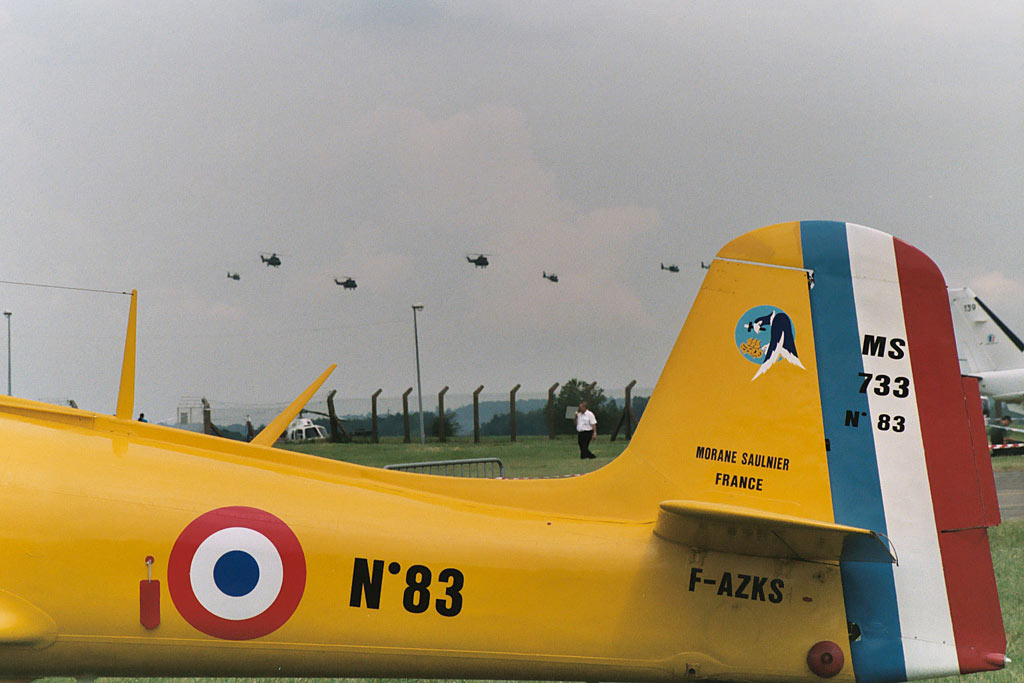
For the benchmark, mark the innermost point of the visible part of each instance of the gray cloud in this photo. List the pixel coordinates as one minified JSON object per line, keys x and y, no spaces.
{"x":159,"y":146}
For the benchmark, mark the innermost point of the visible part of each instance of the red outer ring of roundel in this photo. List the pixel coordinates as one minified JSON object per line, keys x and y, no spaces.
{"x":179,"y":582}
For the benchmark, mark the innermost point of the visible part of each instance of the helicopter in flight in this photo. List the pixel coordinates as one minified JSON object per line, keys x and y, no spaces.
{"x":234,"y":276}
{"x":672,"y":268}
{"x":480,"y":260}
{"x":271,"y":259}
{"x":550,"y":276}
{"x":346,"y":282}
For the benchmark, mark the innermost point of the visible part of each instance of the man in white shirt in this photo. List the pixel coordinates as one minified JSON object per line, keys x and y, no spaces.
{"x":586,"y":429}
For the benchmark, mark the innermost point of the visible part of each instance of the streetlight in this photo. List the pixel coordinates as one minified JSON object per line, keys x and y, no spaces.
{"x":419,"y":387}
{"x":8,"y":315}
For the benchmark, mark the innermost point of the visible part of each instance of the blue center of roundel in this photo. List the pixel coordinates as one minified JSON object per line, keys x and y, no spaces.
{"x":236,"y":573}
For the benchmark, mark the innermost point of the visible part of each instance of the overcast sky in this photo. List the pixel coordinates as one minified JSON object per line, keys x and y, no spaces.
{"x":159,"y":145}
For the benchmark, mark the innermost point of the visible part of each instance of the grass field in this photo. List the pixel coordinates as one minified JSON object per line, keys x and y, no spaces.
{"x":1006,"y":463}
{"x":1007,"y":542}
{"x":531,"y":456}
{"x":541,"y":457}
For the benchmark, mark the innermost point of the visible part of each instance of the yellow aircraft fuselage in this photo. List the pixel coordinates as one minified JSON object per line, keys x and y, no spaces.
{"x":398,"y":581}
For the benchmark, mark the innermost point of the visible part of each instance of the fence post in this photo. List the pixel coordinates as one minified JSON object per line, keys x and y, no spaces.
{"x":207,"y":420}
{"x":627,"y":414}
{"x":375,"y":438}
{"x":338,"y":431}
{"x":476,"y":414}
{"x":440,"y":414}
{"x":405,"y":415}
{"x":551,"y":410}
{"x":512,"y":412}
{"x":208,"y":426}
{"x":629,"y":409}
{"x":332,"y":417}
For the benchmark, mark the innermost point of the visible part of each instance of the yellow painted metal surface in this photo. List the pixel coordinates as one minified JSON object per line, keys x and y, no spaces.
{"x":776,"y":244}
{"x":729,"y":528}
{"x":126,"y":389}
{"x":418,"y":576}
{"x":710,"y":418}
{"x":23,"y":624}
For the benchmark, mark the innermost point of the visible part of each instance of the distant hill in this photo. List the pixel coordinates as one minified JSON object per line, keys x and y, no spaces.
{"x":488,"y":409}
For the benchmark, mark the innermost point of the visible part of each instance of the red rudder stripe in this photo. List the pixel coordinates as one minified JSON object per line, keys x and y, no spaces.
{"x":957,"y":495}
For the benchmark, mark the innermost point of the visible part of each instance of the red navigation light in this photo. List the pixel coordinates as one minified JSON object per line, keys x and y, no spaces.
{"x":825,"y":659}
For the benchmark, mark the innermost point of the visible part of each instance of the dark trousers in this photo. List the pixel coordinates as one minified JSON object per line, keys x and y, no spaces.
{"x":584,"y":440}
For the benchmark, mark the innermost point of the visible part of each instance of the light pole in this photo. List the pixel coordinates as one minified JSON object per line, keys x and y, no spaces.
{"x":7,"y":314}
{"x":419,"y":386}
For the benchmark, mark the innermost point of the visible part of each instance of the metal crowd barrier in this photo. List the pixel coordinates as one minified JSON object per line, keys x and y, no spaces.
{"x":480,"y":468}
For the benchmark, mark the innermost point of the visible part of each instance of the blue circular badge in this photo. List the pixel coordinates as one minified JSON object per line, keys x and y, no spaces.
{"x":753,"y":332}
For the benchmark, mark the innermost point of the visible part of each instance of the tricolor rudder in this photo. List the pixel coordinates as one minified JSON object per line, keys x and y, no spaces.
{"x":902,"y":458}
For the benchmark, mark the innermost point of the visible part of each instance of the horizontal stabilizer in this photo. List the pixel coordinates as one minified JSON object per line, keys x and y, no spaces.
{"x":23,"y":624}
{"x":733,"y":529}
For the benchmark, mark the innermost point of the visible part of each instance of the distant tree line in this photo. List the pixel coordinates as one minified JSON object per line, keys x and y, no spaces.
{"x":575,"y":391}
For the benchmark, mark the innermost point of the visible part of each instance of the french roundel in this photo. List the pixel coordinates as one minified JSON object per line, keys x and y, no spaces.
{"x":236,"y":573}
